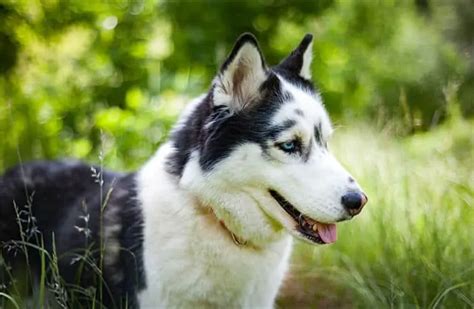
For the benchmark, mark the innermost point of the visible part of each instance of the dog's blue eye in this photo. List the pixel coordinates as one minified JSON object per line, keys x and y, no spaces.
{"x":289,"y":146}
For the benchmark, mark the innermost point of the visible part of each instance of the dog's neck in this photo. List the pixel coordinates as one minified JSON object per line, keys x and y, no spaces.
{"x":237,"y":240}
{"x":232,"y":203}
{"x":240,"y":219}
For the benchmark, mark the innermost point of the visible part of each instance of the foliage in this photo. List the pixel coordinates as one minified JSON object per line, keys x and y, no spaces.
{"x":70,"y":70}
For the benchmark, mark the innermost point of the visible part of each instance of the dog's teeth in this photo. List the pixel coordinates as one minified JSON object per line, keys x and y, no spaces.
{"x":315,"y":227}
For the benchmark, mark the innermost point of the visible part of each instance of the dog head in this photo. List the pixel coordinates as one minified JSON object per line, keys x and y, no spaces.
{"x":255,"y":149}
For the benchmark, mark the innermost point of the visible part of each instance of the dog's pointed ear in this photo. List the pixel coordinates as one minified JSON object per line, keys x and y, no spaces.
{"x":299,"y":61}
{"x":238,"y":83}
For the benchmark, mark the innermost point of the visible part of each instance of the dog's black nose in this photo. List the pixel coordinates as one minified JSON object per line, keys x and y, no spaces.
{"x":353,"y":202}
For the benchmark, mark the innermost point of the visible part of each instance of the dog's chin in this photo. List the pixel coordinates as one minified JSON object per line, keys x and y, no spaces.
{"x":306,"y":228}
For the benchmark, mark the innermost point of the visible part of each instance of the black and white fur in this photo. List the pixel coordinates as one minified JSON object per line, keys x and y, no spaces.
{"x":207,"y":220}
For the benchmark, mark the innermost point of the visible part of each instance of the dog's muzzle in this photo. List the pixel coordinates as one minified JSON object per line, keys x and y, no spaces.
{"x":309,"y":229}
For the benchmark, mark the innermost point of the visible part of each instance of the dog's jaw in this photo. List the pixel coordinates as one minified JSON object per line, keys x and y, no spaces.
{"x":304,"y":227}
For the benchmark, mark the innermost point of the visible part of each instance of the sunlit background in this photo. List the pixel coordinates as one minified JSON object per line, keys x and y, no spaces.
{"x":84,"y":78}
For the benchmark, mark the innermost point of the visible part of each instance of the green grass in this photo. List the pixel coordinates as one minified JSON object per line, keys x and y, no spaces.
{"x":412,"y":246}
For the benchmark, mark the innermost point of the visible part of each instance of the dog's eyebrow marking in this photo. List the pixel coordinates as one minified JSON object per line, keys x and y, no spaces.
{"x":299,"y":112}
{"x":317,"y":134}
{"x":274,"y":131}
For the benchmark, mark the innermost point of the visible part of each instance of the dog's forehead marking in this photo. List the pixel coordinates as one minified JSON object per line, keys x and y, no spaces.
{"x":305,"y":106}
{"x":299,"y":112}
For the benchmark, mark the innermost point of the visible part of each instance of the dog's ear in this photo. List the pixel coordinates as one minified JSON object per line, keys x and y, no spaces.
{"x":240,"y":77}
{"x":299,"y":61}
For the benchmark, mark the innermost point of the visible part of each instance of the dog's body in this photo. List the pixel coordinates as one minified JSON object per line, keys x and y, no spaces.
{"x":205,"y":222}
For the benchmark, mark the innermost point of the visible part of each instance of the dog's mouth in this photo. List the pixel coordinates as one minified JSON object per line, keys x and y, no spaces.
{"x":312,"y":230}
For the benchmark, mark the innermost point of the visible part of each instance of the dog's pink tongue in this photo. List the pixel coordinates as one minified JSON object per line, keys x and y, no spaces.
{"x":327,"y":232}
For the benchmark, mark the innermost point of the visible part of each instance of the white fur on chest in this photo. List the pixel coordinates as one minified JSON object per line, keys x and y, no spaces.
{"x":191,"y":261}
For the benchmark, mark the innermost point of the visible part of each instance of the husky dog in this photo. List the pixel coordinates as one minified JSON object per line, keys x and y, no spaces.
{"x":208,"y":220}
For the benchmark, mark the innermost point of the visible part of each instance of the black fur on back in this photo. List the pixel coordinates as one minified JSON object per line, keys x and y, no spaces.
{"x":65,"y":202}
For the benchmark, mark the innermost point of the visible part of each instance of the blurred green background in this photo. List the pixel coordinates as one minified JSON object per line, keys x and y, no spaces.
{"x":72,"y":69}
{"x":80,"y":78}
